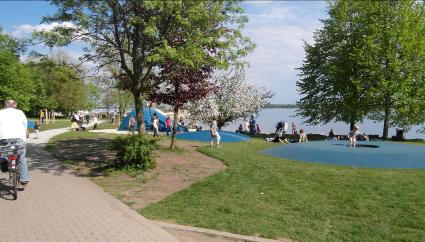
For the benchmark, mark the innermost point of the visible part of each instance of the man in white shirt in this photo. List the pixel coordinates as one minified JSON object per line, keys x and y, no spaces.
{"x":13,"y":125}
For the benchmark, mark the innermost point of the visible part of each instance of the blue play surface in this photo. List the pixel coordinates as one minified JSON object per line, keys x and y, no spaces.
{"x":205,"y":136}
{"x":371,"y":154}
{"x":30,"y":124}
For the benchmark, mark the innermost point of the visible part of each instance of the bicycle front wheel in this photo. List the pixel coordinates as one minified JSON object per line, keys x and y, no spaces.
{"x":15,"y":184}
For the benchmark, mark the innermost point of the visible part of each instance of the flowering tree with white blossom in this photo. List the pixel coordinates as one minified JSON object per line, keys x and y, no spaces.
{"x":232,"y":99}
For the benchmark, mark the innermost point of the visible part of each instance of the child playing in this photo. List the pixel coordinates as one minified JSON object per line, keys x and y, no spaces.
{"x":352,"y":136}
{"x":36,"y":130}
{"x":215,"y":136}
{"x":303,"y":136}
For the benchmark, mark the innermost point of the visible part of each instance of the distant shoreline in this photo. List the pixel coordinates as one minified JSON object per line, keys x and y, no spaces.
{"x":280,"y":106}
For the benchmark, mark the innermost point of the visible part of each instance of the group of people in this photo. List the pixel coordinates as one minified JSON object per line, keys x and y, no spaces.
{"x":282,"y":131}
{"x":78,"y":118}
{"x":156,"y":124}
{"x":250,"y":126}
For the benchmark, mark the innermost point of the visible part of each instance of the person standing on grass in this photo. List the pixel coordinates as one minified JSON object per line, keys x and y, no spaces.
{"x":36,"y":130}
{"x":42,"y":117}
{"x":95,"y":122}
{"x":87,"y":117}
{"x":131,"y":124}
{"x":168,"y":125}
{"x":215,"y":136}
{"x":155,"y":126}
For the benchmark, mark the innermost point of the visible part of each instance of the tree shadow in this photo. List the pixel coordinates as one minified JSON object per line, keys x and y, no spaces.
{"x":359,"y":146}
{"x":93,"y":157}
{"x":39,"y":159}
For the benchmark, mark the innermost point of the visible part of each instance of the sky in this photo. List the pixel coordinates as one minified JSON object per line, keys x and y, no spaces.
{"x":278,"y":28}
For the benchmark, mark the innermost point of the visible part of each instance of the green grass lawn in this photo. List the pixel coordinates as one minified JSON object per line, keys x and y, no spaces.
{"x":278,"y":198}
{"x":56,"y":124}
{"x":106,"y":125}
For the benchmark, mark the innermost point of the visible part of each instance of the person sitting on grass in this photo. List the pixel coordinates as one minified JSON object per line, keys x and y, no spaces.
{"x":303,"y":136}
{"x":240,"y":129}
{"x":332,"y":135}
{"x":352,"y":136}
{"x":74,"y":126}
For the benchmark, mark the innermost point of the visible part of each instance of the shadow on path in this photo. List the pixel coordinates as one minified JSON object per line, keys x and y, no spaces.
{"x":6,"y":189}
{"x":40,"y":159}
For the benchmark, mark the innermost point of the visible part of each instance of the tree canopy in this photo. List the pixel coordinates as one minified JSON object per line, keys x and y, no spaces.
{"x":137,"y":35}
{"x":232,"y":99}
{"x":366,"y":61}
{"x":60,"y":87}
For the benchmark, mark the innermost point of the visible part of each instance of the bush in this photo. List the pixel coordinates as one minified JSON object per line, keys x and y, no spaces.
{"x":134,"y":152}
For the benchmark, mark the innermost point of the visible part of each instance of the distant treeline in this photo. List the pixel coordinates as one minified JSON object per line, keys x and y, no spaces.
{"x":270,"y":105}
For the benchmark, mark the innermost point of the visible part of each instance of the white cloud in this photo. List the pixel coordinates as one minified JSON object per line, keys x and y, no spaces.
{"x":26,"y":29}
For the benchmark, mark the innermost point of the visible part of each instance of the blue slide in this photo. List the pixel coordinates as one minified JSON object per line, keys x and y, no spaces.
{"x":148,"y":117}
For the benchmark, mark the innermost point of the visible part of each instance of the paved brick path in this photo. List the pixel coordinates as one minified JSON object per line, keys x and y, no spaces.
{"x":58,"y":206}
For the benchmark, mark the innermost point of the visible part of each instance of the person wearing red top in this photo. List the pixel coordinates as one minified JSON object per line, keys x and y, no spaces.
{"x":168,"y":124}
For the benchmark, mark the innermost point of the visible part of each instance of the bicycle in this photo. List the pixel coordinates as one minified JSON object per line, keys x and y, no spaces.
{"x":10,"y":150}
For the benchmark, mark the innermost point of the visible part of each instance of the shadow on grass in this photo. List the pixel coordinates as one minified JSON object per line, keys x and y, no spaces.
{"x":91,"y":156}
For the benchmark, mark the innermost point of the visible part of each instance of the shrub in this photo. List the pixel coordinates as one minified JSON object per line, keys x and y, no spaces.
{"x":134,"y":152}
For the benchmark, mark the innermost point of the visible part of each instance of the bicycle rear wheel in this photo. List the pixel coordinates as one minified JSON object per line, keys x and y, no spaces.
{"x":15,"y":184}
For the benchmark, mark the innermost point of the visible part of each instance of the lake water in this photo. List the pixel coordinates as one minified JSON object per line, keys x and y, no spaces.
{"x":269,"y":117}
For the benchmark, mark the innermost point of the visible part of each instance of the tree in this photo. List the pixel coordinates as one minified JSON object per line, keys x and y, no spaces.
{"x":15,"y":81}
{"x":332,"y":83}
{"x":396,"y":62}
{"x":59,"y":87}
{"x":113,"y":94}
{"x":362,"y":63}
{"x":182,"y":85}
{"x":231,"y":100}
{"x":135,"y":34}
{"x":92,"y":96}
{"x":11,"y":44}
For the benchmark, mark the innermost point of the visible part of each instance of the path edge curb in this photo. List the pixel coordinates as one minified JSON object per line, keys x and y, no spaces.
{"x":215,"y":232}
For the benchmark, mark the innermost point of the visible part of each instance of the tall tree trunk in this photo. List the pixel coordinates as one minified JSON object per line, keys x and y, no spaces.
{"x":173,"y":135}
{"x":352,"y":123}
{"x":138,"y":103}
{"x":386,"y":124}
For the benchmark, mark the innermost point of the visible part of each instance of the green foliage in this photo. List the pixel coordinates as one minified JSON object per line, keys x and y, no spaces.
{"x":11,"y":44}
{"x":135,"y":152}
{"x":264,"y":196}
{"x":60,"y":87}
{"x":112,"y":93}
{"x":15,"y":80}
{"x":271,"y":105}
{"x":138,"y":36}
{"x":367,"y":61}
